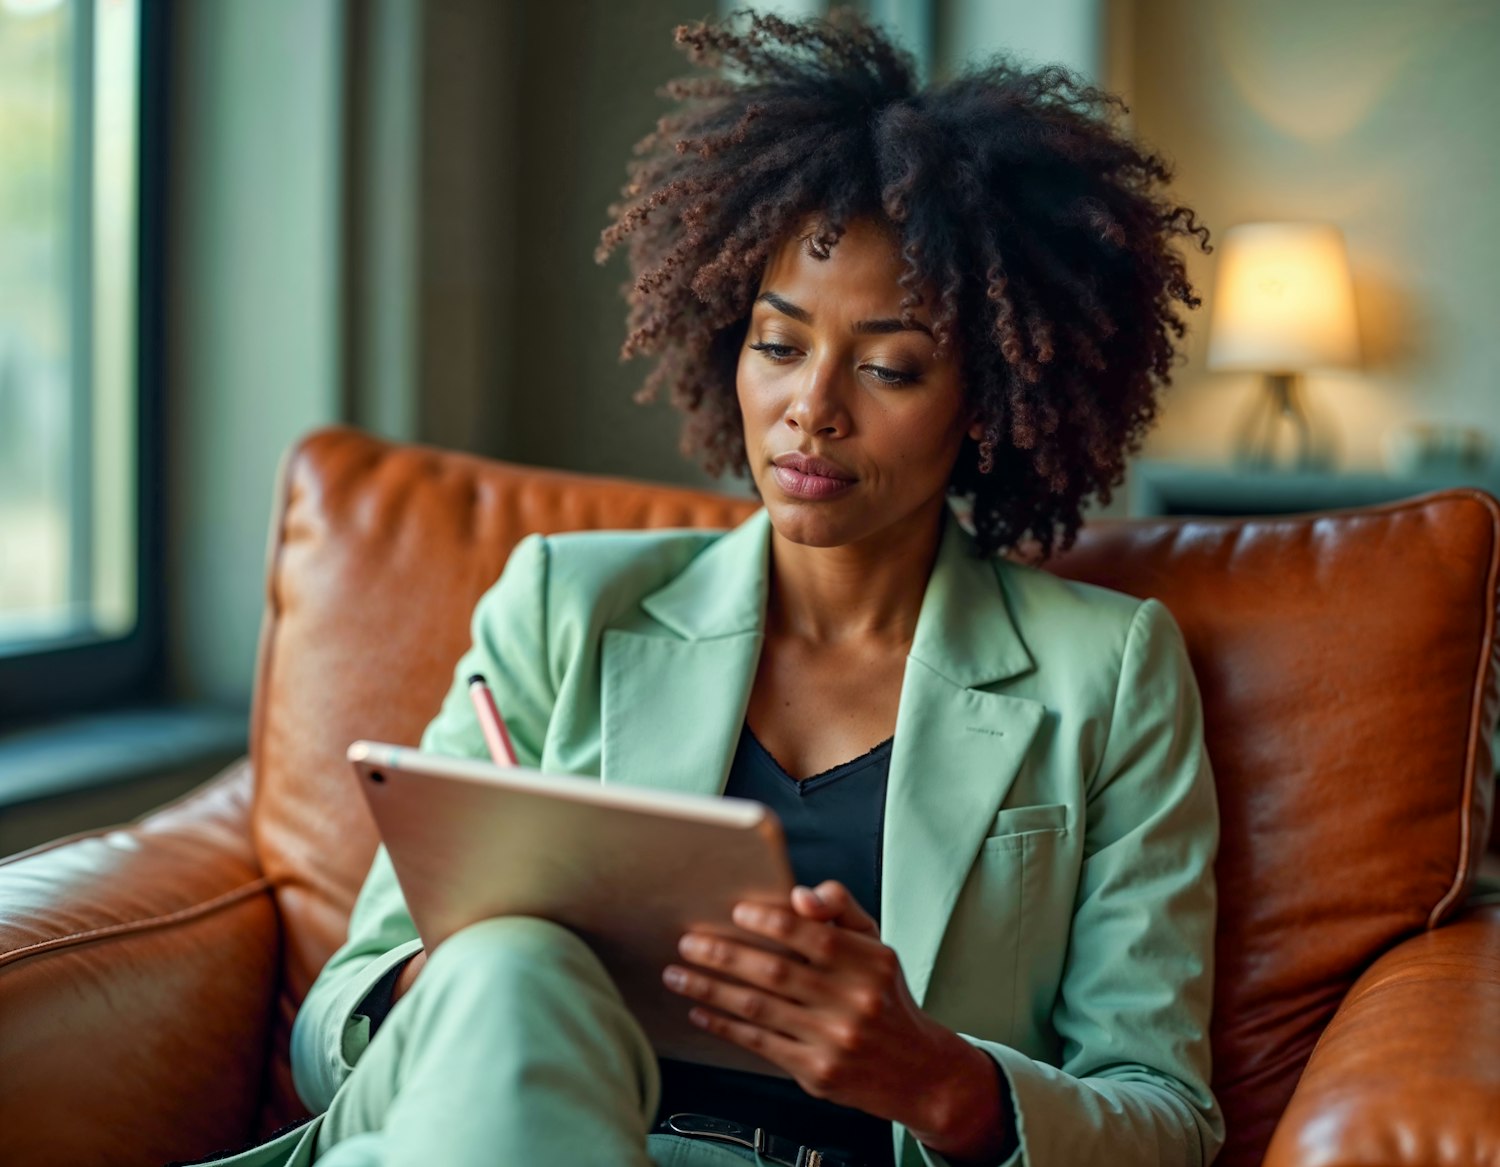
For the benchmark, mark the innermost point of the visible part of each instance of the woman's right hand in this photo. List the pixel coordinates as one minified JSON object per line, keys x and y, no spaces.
{"x":409,"y":973}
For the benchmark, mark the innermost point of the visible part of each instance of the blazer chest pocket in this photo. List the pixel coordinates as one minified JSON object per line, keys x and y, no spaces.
{"x":1014,"y":824}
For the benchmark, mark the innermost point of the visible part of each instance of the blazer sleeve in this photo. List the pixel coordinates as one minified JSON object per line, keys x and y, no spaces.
{"x":509,"y":646}
{"x":1133,"y":1007}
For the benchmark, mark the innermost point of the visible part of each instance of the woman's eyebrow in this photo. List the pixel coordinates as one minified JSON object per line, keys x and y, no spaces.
{"x":883,"y":325}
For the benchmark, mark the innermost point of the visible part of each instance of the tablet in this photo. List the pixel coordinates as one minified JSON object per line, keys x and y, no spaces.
{"x":629,"y":869}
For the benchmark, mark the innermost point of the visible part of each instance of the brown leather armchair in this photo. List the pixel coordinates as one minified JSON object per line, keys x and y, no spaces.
{"x":149,"y":974}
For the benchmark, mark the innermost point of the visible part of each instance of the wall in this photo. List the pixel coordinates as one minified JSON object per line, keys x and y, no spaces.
{"x":1064,"y":32}
{"x":1376,"y":115}
{"x":253,"y":312}
{"x":569,"y":397}
{"x":516,"y":120}
{"x":446,"y":292}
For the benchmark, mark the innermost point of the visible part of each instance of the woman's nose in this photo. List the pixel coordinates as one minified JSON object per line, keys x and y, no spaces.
{"x":818,"y":405}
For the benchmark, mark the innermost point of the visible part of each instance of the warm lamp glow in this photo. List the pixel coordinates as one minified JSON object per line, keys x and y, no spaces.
{"x":1283,"y":300}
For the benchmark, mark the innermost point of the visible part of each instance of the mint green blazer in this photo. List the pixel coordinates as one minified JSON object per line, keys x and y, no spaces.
{"x":1050,"y":825}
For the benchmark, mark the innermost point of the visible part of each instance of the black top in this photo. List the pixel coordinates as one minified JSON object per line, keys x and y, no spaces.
{"x":833,"y":823}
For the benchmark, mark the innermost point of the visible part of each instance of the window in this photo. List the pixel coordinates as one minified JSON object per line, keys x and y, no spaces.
{"x":76,"y":625}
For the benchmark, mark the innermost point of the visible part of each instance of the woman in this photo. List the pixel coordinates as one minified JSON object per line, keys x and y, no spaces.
{"x":994,"y":781}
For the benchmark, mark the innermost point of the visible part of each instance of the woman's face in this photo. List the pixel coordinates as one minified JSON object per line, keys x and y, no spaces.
{"x":828,"y":372}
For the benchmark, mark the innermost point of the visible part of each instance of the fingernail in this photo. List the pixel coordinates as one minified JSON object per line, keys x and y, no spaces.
{"x":746,"y":915}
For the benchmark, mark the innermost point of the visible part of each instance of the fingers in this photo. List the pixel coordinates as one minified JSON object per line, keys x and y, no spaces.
{"x":756,"y":1006}
{"x":807,"y":903}
{"x":781,"y":1051}
{"x":834,"y":902}
{"x":802,"y":1005}
{"x":785,"y":976}
{"x":824,"y":952}
{"x":815,"y":940}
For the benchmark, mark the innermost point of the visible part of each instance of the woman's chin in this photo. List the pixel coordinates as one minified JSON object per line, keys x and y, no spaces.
{"x":810,"y":524}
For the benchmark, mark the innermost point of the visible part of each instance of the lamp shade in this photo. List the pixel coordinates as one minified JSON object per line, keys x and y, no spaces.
{"x":1283,"y":300}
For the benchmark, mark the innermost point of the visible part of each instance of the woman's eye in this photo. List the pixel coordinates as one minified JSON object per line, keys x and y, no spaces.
{"x":781,"y":352}
{"x":891,"y":376}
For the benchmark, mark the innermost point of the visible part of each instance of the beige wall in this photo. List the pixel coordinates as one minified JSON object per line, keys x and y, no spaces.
{"x":569,"y":398}
{"x":1378,"y":116}
{"x":315,"y":278}
{"x":253,"y":312}
{"x":524,"y":118}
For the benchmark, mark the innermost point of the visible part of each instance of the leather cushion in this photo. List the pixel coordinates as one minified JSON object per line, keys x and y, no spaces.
{"x":1347,"y":663}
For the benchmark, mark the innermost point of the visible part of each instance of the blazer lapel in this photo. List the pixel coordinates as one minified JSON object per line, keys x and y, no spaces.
{"x":675,"y":691}
{"x":676,"y":687}
{"x":956,"y":753}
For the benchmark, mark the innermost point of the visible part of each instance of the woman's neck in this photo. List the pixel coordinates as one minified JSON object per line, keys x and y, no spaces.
{"x":858,"y":592}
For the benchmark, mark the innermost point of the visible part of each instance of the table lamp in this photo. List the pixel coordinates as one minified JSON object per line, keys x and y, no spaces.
{"x":1283,"y":304}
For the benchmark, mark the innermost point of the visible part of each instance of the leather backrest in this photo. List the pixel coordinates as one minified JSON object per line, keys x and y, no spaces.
{"x":1347,"y":663}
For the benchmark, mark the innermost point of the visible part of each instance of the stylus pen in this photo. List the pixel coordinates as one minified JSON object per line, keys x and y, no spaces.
{"x":495,"y":734}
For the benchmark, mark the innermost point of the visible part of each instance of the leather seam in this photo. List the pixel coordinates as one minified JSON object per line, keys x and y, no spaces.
{"x":270,"y":632}
{"x":129,"y":927}
{"x":1476,"y":709}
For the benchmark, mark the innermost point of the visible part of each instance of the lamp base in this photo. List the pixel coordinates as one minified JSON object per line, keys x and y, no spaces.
{"x":1276,"y":434}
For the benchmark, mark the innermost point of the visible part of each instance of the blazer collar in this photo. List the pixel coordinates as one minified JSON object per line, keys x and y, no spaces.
{"x":723,"y":592}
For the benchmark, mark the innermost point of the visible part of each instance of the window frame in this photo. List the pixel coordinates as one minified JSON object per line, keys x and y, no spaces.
{"x":80,"y":675}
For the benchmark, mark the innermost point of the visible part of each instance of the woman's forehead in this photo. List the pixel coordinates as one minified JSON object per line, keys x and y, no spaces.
{"x":859,"y":278}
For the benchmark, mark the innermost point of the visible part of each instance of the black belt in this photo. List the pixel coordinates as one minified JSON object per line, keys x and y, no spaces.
{"x":773,"y":1147}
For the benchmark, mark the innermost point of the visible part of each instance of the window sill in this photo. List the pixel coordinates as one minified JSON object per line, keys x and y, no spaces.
{"x":94,"y":751}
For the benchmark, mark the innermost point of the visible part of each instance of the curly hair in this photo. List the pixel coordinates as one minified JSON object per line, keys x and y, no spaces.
{"x":1037,"y":223}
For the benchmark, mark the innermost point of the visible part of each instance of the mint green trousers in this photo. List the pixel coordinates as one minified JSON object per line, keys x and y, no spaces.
{"x":512,"y":1047}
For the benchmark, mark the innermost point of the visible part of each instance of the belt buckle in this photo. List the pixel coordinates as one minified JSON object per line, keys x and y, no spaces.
{"x":707,"y":1126}
{"x":722,"y":1129}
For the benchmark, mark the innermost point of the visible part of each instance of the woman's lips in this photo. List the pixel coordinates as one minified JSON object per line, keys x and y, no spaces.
{"x":800,"y":485}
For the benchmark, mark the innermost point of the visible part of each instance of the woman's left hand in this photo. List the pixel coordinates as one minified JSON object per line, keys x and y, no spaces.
{"x":843,"y":1024}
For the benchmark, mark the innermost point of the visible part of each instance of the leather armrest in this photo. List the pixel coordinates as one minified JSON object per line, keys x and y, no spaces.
{"x":1407,"y":1071}
{"x":137,"y":974}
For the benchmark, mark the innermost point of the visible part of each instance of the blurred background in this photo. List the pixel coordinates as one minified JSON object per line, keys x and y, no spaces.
{"x":225,"y":222}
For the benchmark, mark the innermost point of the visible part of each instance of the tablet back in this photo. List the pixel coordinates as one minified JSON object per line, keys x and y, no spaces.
{"x":628,"y":869}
